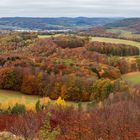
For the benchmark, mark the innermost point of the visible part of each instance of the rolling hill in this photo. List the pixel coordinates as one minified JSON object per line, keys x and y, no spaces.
{"x":52,"y":23}
{"x":132,"y":24}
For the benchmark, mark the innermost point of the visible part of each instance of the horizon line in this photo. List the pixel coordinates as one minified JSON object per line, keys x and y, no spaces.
{"x":69,"y":17}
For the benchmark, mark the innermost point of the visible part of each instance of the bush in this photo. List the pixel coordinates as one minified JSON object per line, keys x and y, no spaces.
{"x":47,"y":132}
{"x":18,"y":109}
{"x":38,"y":106}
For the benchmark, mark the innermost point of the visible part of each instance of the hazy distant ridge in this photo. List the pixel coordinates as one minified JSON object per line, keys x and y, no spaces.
{"x":53,"y":23}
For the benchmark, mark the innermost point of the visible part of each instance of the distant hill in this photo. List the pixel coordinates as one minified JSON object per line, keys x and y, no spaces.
{"x":53,"y":23}
{"x":128,"y":23}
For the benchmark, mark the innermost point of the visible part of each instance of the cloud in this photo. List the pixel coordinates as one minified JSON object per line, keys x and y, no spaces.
{"x":71,"y":8}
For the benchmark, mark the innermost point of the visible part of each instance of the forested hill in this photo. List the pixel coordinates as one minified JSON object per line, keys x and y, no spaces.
{"x":52,"y":23}
{"x":128,"y":23}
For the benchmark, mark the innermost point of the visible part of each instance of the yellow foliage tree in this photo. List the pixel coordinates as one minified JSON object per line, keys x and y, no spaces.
{"x":60,"y":102}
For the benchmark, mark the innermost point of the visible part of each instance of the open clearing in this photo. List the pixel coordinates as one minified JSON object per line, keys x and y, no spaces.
{"x":124,"y":33}
{"x":133,"y":78}
{"x":49,"y":36}
{"x":116,"y":41}
{"x":7,"y":95}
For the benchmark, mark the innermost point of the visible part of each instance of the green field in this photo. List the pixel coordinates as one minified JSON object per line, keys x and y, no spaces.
{"x":124,"y":33}
{"x":48,"y":36}
{"x":6,"y":95}
{"x":133,"y":78}
{"x":116,"y":41}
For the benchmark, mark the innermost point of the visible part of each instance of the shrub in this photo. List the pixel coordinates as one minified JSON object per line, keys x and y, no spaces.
{"x":26,"y":125}
{"x":47,"y":132}
{"x":42,"y":103}
{"x":60,"y":102}
{"x":18,"y":109}
{"x":38,"y":106}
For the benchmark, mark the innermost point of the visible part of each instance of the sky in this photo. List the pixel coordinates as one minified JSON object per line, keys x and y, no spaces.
{"x":69,"y":8}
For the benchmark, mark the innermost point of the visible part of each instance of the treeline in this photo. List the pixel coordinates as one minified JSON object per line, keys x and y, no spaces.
{"x":113,"y":49}
{"x":68,"y":86}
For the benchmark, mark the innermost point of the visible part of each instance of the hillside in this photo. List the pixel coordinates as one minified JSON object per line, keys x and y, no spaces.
{"x":52,"y":23}
{"x":55,"y":85}
{"x":132,"y":24}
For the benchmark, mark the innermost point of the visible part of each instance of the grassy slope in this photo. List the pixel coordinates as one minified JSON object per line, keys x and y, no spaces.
{"x":6,"y":95}
{"x":49,"y":36}
{"x":117,"y":41}
{"x":124,"y":33}
{"x":133,"y":77}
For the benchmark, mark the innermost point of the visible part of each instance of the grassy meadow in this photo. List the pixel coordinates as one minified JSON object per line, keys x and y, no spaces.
{"x":133,"y":78}
{"x":117,"y":41}
{"x":124,"y":33}
{"x":48,"y":36}
{"x":11,"y":96}
{"x":7,"y":95}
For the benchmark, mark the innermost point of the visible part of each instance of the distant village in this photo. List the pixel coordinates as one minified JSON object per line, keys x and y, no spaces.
{"x":43,"y":32}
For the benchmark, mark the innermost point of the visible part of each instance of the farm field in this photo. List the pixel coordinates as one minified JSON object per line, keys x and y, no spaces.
{"x":48,"y":36}
{"x":117,"y":41}
{"x":133,"y":78}
{"x":124,"y":33}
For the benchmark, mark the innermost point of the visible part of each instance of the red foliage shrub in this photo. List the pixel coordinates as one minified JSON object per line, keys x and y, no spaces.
{"x":6,"y":120}
{"x":117,"y":119}
{"x":26,"y":125}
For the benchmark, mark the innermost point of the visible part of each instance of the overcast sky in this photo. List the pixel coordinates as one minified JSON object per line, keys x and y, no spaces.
{"x":70,"y":8}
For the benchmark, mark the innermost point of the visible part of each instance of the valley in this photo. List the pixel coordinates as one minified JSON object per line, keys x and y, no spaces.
{"x":81,"y":84}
